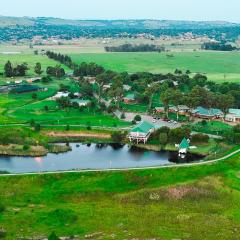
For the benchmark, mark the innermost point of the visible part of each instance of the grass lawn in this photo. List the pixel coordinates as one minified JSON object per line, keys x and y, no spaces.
{"x":219,"y":66}
{"x":199,"y":203}
{"x":212,"y":127}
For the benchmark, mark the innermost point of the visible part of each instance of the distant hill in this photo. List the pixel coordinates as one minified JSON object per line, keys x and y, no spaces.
{"x":19,"y":28}
{"x":113,"y":24}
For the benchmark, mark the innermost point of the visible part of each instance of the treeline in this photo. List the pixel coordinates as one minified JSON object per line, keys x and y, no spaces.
{"x":135,"y":48}
{"x":82,"y":70}
{"x":63,"y":59}
{"x":215,"y":46}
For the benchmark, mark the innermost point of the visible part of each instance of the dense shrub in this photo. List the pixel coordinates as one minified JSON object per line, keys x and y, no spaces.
{"x":200,"y":138}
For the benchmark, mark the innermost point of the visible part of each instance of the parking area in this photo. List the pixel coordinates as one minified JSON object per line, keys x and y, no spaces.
{"x":158,"y":122}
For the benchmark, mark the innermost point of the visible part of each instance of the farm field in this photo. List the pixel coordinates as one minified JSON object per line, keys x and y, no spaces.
{"x":218,"y":66}
{"x":167,"y":204}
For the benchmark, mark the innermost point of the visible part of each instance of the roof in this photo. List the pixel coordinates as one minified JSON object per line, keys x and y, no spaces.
{"x":208,"y":112}
{"x":143,"y":127}
{"x":80,"y":101}
{"x":184,"y":144}
{"x":234,"y":111}
{"x":130,"y":96}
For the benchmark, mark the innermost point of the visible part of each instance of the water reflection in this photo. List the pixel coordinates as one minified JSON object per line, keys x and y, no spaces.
{"x":93,"y":156}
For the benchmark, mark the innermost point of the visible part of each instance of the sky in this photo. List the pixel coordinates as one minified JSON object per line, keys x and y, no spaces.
{"x":125,"y":9}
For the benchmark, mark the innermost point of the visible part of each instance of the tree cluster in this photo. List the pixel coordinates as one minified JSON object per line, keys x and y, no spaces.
{"x":135,"y":48}
{"x":18,"y":71}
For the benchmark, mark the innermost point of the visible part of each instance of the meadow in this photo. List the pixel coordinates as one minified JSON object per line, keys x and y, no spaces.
{"x":200,"y":203}
{"x":218,"y":66}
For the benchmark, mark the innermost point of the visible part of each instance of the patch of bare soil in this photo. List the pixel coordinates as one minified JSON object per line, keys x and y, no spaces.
{"x":78,"y":135}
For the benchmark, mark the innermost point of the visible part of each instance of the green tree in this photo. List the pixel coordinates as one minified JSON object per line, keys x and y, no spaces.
{"x":38,"y":68}
{"x":8,"y":69}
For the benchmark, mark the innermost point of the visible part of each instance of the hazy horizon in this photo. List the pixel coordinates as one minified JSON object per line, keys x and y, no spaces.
{"x":180,"y":10}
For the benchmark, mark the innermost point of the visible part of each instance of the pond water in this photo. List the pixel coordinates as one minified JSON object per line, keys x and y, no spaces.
{"x":93,"y":156}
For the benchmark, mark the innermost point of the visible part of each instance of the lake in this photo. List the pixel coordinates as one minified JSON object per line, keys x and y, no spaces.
{"x":93,"y":156}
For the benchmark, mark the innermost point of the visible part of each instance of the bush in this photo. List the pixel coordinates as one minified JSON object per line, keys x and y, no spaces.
{"x":26,"y":147}
{"x":118,"y":137}
{"x":137,"y":118}
{"x":123,"y":116}
{"x":37,"y":127}
{"x":67,"y":128}
{"x":53,"y":236}
{"x":176,"y":135}
{"x":163,"y":138}
{"x":200,"y":138}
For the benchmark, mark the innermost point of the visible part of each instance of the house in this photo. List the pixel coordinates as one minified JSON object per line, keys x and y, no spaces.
{"x":233,"y":115}
{"x":31,"y":80}
{"x":80,"y":102}
{"x":141,"y":132}
{"x":130,"y":98}
{"x":159,"y":109}
{"x":106,"y":87}
{"x":60,"y":95}
{"x":126,"y":87}
{"x":181,"y":109}
{"x":91,"y":80}
{"x":204,"y":113}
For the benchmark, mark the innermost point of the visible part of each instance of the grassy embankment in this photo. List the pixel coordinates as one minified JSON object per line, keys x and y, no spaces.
{"x":199,"y":203}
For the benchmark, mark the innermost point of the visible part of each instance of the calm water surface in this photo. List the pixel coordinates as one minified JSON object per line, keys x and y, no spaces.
{"x":93,"y":156}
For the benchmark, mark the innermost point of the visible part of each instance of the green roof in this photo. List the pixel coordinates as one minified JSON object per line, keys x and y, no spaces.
{"x":208,"y":112}
{"x":143,"y":127}
{"x":184,"y":144}
{"x":234,"y":111}
{"x":130,"y":96}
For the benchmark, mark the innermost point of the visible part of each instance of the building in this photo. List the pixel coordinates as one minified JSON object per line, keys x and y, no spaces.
{"x":81,"y":103}
{"x":31,"y":80}
{"x":183,"y":146}
{"x":204,"y":113}
{"x":126,"y":87}
{"x":130,"y":98}
{"x":233,"y":115}
{"x":141,"y":132}
{"x":91,"y":80}
{"x":159,"y":109}
{"x":60,"y":95}
{"x":181,"y":109}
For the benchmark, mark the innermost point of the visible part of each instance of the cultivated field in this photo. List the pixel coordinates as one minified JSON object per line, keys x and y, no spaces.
{"x":218,"y":66}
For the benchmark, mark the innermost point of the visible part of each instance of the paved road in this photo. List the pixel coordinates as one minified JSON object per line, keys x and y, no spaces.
{"x":129,"y":169}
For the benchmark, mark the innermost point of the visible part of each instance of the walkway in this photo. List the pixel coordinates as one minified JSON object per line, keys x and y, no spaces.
{"x":128,"y":169}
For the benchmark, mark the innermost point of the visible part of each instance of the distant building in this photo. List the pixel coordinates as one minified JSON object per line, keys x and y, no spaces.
{"x":204,"y":113}
{"x":130,"y":98}
{"x":233,"y":115}
{"x":60,"y":95}
{"x":181,"y":109}
{"x":91,"y":80}
{"x":159,"y":109}
{"x":31,"y":80}
{"x":141,"y":132}
{"x":126,"y":87}
{"x":81,"y":103}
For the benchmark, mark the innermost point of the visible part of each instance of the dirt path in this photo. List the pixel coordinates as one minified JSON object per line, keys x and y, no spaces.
{"x":78,"y":134}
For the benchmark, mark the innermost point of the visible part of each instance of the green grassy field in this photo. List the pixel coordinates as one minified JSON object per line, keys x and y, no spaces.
{"x":28,"y":58}
{"x":199,"y":203}
{"x":219,"y":66}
